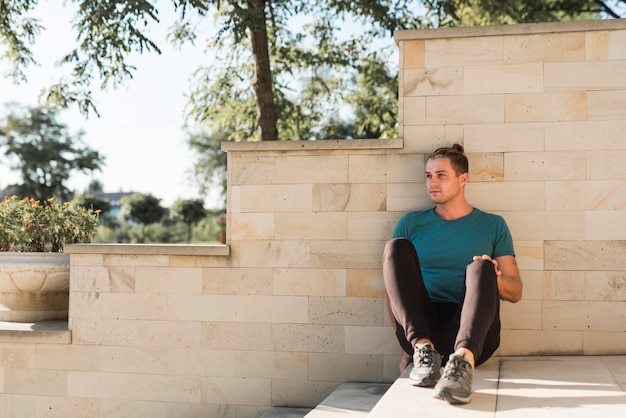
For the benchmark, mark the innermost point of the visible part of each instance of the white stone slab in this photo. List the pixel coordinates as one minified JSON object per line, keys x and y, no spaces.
{"x":351,"y":399}
{"x":404,"y":400}
{"x":546,"y":387}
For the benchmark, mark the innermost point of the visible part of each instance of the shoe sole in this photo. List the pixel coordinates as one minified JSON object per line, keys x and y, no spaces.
{"x":452,"y":399}
{"x":427,"y":382}
{"x":424,"y":383}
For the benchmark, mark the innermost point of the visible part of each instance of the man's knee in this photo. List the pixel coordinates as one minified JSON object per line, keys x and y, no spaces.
{"x":481,"y":268}
{"x":396,"y":246}
{"x":481,"y":277}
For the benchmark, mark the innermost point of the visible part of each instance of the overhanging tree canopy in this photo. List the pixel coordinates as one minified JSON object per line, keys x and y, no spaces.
{"x":108,"y":32}
{"x":44,"y":152}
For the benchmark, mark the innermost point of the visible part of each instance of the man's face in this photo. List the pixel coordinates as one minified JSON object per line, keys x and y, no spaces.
{"x":442,"y":183}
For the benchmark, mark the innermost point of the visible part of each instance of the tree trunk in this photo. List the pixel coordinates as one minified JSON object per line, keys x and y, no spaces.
{"x":262,"y":82}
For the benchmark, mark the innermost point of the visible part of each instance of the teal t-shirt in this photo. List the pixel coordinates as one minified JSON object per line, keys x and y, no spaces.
{"x":445,"y":248}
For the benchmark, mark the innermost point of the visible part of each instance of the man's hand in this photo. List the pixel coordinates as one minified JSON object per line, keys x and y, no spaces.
{"x":507,"y":275}
{"x":493,"y":261}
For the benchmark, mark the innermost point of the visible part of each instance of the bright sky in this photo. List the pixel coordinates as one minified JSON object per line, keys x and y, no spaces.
{"x":140,"y":126}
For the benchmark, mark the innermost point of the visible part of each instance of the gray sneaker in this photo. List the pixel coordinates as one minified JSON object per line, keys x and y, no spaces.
{"x":426,"y":366}
{"x":456,"y":384}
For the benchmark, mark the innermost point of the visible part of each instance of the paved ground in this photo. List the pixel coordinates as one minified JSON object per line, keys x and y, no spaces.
{"x":506,"y":387}
{"x":537,"y":387}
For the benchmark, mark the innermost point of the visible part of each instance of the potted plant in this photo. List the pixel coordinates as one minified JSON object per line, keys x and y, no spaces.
{"x":34,"y":271}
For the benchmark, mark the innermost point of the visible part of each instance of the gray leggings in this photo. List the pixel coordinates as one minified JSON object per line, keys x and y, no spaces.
{"x":473,"y":324}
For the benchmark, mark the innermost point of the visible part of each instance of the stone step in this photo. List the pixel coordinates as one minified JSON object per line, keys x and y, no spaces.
{"x":403,"y":400}
{"x":286,"y":412}
{"x":541,"y":387}
{"x":352,"y":399}
{"x":538,"y":387}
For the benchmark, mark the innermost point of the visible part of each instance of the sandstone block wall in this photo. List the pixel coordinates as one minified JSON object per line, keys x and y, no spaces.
{"x":542,"y":111}
{"x":294,"y":304}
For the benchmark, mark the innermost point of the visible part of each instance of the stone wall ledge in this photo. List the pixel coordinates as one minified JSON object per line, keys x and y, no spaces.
{"x":149,"y":249}
{"x":516,"y":29}
{"x":49,"y":332}
{"x":319,"y":145}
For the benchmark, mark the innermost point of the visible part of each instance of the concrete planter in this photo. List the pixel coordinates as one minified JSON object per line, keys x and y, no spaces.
{"x":34,"y":287}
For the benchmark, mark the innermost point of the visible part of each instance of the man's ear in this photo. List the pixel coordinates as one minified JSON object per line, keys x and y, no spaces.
{"x":464,"y":178}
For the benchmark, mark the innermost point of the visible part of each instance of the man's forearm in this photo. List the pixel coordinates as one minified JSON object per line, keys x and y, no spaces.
{"x":510,"y":288}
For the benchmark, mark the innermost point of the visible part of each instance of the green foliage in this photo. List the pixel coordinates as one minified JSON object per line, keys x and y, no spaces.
{"x":29,"y":225}
{"x":311,"y":70}
{"x":17,"y":34}
{"x":108,"y":32}
{"x":190,"y":211}
{"x":172,"y":232}
{"x":210,"y":164}
{"x":375,"y":88}
{"x":142,"y":208}
{"x":168,"y":230}
{"x":487,"y":12}
{"x":109,"y":234}
{"x":44,"y":152}
{"x":93,"y":202}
